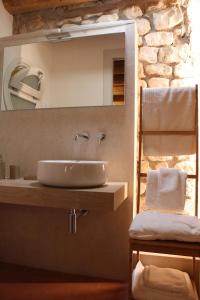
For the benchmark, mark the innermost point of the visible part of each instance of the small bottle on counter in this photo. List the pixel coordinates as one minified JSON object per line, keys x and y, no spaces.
{"x":14,"y":172}
{"x":2,"y":168}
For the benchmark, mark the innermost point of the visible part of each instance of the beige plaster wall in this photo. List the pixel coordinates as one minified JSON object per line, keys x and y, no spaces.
{"x":39,"y":237}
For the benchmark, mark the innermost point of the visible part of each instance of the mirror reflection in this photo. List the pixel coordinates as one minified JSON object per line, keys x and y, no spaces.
{"x":85,"y":71}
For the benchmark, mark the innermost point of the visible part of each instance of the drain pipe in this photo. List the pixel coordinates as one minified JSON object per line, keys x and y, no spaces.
{"x":73,"y":215}
{"x":72,"y":220}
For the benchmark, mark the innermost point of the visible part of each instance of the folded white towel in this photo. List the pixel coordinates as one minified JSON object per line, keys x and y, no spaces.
{"x":168,"y":180}
{"x":151,"y":199}
{"x":171,"y":109}
{"x":143,"y":288}
{"x":166,"y":189}
{"x":166,"y":279}
{"x":137,"y":273}
{"x":154,"y":225}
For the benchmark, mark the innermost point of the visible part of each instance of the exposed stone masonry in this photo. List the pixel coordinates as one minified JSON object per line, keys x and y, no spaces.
{"x":164,"y":38}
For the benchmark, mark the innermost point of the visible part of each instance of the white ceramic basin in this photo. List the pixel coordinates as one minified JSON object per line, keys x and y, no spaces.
{"x":72,"y":173}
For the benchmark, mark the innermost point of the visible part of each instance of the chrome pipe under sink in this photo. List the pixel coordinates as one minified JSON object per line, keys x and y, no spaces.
{"x":73,"y":215}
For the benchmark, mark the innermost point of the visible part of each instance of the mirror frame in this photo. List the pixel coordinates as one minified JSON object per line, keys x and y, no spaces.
{"x":67,"y":32}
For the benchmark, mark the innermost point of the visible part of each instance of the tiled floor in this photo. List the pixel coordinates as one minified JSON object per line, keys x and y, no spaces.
{"x":22,"y":283}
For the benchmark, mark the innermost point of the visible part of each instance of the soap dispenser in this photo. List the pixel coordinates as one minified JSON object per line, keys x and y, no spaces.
{"x":2,"y":168}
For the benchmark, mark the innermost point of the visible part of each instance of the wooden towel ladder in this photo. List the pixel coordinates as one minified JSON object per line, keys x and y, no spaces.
{"x":157,"y":246}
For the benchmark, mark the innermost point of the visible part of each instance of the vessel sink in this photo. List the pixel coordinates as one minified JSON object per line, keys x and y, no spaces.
{"x":72,"y":173}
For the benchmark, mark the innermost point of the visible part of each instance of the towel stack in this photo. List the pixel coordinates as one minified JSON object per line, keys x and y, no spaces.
{"x":166,"y":190}
{"x":164,"y":217}
{"x":153,"y":283}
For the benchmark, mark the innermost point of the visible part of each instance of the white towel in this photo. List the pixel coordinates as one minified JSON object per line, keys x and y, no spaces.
{"x":151,"y":199}
{"x":154,"y":225}
{"x":166,"y":189}
{"x":171,"y":109}
{"x":171,"y":189}
{"x":166,"y":279}
{"x":143,"y":289}
{"x":137,"y":272}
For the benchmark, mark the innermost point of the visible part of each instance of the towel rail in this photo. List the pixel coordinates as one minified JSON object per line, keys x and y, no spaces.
{"x":168,"y":132}
{"x":143,"y":132}
{"x":189,"y":176}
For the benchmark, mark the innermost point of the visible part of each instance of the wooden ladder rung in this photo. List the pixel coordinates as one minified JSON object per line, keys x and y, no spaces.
{"x":168,"y":132}
{"x":189,"y":176}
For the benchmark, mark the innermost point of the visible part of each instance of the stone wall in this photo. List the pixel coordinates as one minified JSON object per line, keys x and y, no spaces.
{"x":165,"y":50}
{"x":164,"y":37}
{"x":165,"y":57}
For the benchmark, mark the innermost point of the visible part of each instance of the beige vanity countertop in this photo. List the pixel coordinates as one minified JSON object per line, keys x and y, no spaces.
{"x":30,"y":192}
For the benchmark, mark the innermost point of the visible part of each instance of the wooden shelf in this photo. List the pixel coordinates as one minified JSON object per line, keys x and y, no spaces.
{"x":166,"y":247}
{"x":30,"y":192}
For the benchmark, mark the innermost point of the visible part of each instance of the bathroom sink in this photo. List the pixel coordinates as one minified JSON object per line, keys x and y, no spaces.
{"x":72,"y":173}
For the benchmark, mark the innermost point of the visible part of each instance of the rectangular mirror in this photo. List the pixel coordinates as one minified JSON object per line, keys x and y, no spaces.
{"x":85,"y":71}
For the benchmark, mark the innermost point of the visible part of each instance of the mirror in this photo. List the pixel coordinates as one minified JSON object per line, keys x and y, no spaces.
{"x":85,"y":71}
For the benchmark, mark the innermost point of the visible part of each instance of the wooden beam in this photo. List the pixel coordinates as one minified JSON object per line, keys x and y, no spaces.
{"x":23,"y":6}
{"x":50,"y":18}
{"x":16,"y":7}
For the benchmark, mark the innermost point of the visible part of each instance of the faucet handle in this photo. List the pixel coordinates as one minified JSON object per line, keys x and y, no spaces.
{"x":101,"y":136}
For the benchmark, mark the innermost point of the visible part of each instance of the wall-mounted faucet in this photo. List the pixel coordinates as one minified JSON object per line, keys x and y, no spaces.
{"x":101,"y":136}
{"x":83,"y":135}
